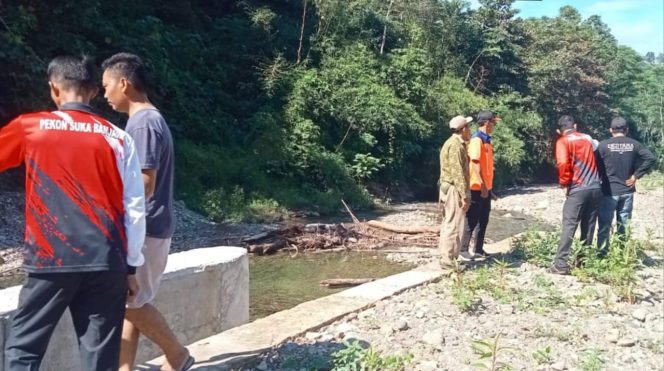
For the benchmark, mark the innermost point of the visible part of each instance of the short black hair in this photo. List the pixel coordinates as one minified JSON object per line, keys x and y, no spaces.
{"x":566,"y":122}
{"x":619,"y":125}
{"x":72,"y":72}
{"x":130,"y":66}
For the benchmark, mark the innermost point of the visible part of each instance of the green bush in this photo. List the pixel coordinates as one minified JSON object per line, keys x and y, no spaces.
{"x":536,"y":247}
{"x":618,"y":268}
{"x":236,"y":206}
{"x":356,"y":358}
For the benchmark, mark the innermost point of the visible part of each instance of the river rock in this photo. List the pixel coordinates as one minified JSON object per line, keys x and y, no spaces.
{"x":351,"y":336}
{"x":640,"y":314}
{"x":650,"y":317}
{"x":401,"y":325}
{"x":387,"y":330}
{"x":367,"y":313}
{"x":312,"y":335}
{"x":428,"y":366}
{"x":344,"y":328}
{"x":626,"y":342}
{"x":351,"y":316}
{"x":505,"y":309}
{"x":262,"y":366}
{"x":434,"y":338}
{"x":559,"y":366}
{"x":612,"y":336}
{"x":643,"y":294}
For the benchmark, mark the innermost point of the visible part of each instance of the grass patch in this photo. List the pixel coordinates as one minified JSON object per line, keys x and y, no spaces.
{"x":536,"y":247}
{"x":618,"y":269}
{"x":543,"y":356}
{"x":654,"y":345}
{"x":465,"y":287}
{"x":553,"y":333}
{"x":591,"y":361}
{"x":468,"y":286}
{"x":355,"y":357}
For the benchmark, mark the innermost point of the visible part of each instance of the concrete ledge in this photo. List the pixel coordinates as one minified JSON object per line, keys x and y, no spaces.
{"x":215,"y":278}
{"x":236,"y":346}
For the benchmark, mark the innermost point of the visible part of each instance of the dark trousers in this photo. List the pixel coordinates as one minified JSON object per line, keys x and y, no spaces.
{"x":96,"y":301}
{"x":478,"y":219}
{"x":581,"y":207}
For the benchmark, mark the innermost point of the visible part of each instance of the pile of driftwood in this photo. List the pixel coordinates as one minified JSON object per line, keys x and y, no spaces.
{"x":371,"y":235}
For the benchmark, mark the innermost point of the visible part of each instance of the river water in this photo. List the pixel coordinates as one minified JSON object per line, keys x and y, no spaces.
{"x":281,"y":281}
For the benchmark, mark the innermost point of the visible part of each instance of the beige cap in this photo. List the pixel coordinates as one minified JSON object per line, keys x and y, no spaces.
{"x":459,"y":122}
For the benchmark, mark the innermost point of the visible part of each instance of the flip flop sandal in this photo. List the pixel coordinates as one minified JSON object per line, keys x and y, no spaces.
{"x":188,"y":363}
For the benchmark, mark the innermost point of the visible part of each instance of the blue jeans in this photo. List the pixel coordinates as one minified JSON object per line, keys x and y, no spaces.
{"x":621,"y":207}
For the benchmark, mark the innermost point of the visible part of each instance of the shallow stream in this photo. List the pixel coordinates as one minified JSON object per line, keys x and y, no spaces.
{"x":281,"y":281}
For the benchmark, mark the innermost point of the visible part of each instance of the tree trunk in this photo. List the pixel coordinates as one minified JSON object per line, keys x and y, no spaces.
{"x":304,"y":19}
{"x":387,"y":18}
{"x":402,"y":229}
{"x":345,"y":282}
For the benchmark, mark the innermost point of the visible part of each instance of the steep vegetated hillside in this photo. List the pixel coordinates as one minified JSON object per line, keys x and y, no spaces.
{"x":300,"y":103}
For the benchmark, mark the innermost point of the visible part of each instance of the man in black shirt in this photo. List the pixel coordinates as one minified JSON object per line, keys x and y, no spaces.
{"x":623,"y":160}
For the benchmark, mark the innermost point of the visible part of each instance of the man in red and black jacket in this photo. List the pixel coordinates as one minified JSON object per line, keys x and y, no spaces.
{"x":578,"y":175}
{"x":85,"y":222}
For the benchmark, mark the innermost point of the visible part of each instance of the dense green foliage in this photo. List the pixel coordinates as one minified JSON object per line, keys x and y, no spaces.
{"x":300,"y":103}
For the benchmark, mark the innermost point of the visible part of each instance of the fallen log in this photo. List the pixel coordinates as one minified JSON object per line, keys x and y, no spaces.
{"x":270,"y":248}
{"x":256,"y":237}
{"x":267,"y":248}
{"x":345,"y":282}
{"x":401,"y":229}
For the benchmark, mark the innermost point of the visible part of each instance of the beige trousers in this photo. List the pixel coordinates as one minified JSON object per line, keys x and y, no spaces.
{"x":453,"y":226}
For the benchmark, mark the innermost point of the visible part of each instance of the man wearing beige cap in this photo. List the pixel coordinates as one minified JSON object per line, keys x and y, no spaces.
{"x":454,"y":190}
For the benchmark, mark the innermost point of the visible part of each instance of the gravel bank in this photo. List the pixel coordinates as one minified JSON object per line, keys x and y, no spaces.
{"x":579,"y":323}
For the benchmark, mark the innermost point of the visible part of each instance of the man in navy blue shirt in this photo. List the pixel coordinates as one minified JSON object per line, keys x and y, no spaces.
{"x":125,"y":85}
{"x":622,"y":160}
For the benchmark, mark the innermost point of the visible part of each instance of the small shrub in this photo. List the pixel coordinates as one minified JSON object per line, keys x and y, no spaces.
{"x":364,"y":166}
{"x":536,"y":247}
{"x":488,"y":352}
{"x":356,"y":358}
{"x":464,"y":298}
{"x":543,"y":356}
{"x":618,"y":268}
{"x":592,"y":361}
{"x":465,"y":287}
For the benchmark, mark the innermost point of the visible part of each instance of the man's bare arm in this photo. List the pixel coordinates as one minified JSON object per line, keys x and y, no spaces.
{"x":149,"y":181}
